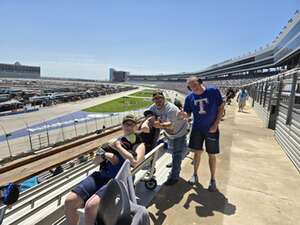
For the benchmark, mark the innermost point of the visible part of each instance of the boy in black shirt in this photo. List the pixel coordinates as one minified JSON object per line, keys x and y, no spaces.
{"x":148,"y":133}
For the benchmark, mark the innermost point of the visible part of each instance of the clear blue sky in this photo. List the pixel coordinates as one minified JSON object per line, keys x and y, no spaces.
{"x":70,"y":38}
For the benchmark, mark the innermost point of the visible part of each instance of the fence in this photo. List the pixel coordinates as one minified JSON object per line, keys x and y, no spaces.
{"x":277,"y":102}
{"x":43,"y":133}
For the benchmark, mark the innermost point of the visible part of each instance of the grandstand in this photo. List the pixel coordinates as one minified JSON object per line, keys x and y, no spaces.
{"x":281,"y":55}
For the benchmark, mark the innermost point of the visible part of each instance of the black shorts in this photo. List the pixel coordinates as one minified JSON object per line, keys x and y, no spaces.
{"x":212,"y":145}
{"x":93,"y":184}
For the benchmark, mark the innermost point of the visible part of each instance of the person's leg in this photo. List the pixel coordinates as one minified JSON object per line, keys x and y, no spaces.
{"x":79,"y":195}
{"x":91,"y":209}
{"x":212,"y":159}
{"x":196,"y":144}
{"x":178,"y":147}
{"x":212,"y":148}
{"x":92,"y":204}
{"x":72,"y":203}
{"x":176,"y":160}
{"x":197,"y":159}
{"x":243,"y":105}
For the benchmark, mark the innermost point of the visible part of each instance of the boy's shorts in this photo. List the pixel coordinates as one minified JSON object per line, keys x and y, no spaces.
{"x":93,"y":184}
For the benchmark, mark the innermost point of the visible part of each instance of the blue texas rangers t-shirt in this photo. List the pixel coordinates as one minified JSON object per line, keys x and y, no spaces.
{"x":204,"y":108}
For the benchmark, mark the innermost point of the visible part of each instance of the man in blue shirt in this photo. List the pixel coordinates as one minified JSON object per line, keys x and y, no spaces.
{"x":207,"y":106}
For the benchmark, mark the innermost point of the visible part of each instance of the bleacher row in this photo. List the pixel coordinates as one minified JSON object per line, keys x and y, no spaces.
{"x":221,"y":84}
{"x":43,"y":203}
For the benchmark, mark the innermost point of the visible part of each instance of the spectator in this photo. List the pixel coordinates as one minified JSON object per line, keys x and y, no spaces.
{"x":206,"y":105}
{"x":88,"y":192}
{"x":175,"y":129}
{"x":241,"y":99}
{"x":148,"y":133}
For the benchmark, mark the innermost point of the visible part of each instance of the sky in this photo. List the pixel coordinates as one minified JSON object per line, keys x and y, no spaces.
{"x":83,"y":39}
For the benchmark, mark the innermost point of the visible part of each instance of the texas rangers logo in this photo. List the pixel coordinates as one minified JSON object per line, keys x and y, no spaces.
{"x":201,"y":103}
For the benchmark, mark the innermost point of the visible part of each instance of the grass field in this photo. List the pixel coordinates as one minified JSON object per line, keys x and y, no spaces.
{"x":120,"y":105}
{"x":144,"y":93}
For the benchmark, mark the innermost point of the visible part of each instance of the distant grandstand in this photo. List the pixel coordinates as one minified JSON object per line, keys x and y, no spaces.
{"x":281,"y":55}
{"x":17,"y":70}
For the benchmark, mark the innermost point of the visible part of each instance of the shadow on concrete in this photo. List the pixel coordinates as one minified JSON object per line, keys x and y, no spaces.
{"x":166,"y":198}
{"x":209,"y":202}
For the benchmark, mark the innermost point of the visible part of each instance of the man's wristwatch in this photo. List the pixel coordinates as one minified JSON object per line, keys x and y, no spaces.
{"x":100,"y":152}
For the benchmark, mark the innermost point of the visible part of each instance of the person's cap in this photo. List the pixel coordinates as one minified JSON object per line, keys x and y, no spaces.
{"x":149,"y":112}
{"x":129,"y":117}
{"x":158,"y":94}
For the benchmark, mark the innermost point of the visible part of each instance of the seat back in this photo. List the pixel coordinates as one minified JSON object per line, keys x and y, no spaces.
{"x":124,"y":175}
{"x":115,"y":205}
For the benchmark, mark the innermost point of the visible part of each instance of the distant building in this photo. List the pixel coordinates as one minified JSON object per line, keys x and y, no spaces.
{"x":19,"y":71}
{"x":117,"y":76}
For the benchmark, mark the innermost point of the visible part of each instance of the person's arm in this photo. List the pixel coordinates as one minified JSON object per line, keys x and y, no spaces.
{"x":215,"y":125}
{"x":140,"y":150}
{"x":221,"y":108}
{"x":162,"y":125}
{"x":109,"y":156}
{"x":145,"y":127}
{"x":186,"y":113}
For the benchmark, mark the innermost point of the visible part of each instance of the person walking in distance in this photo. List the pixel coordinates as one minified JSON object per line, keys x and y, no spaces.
{"x":207,"y":106}
{"x":175,"y":129}
{"x":241,"y":99}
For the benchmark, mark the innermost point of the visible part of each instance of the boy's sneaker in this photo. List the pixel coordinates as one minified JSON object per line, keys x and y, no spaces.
{"x":212,"y":186}
{"x":193,"y":180}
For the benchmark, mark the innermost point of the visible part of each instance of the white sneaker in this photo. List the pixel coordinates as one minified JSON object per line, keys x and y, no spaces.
{"x":193,"y":180}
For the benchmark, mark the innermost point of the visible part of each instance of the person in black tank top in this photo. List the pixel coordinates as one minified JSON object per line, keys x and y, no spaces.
{"x":147,"y":132}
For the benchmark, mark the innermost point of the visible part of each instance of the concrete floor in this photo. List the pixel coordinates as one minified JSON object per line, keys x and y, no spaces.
{"x":257,"y":183}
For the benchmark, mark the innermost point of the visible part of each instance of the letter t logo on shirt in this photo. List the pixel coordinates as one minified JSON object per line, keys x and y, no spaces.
{"x":201,"y":102}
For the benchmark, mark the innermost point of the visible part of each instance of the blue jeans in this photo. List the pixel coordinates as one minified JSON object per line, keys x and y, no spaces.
{"x":178,"y":147}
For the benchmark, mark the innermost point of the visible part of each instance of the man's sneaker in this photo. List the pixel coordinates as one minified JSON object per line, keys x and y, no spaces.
{"x":171,"y":181}
{"x":212,"y":186}
{"x":194,"y":179}
{"x":169,"y":165}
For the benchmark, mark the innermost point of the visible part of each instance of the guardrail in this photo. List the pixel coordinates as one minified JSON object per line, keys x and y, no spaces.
{"x":277,"y":101}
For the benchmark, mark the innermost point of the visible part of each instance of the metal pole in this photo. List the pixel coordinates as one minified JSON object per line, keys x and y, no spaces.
{"x":111,"y":119}
{"x":40,"y":141}
{"x":291,"y":99}
{"x":75,"y":121}
{"x":96,"y":123}
{"x":6,"y":137}
{"x":10,"y":153}
{"x":47,"y":132}
{"x":62,"y":130}
{"x":29,"y":136}
{"x":86,"y":127}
